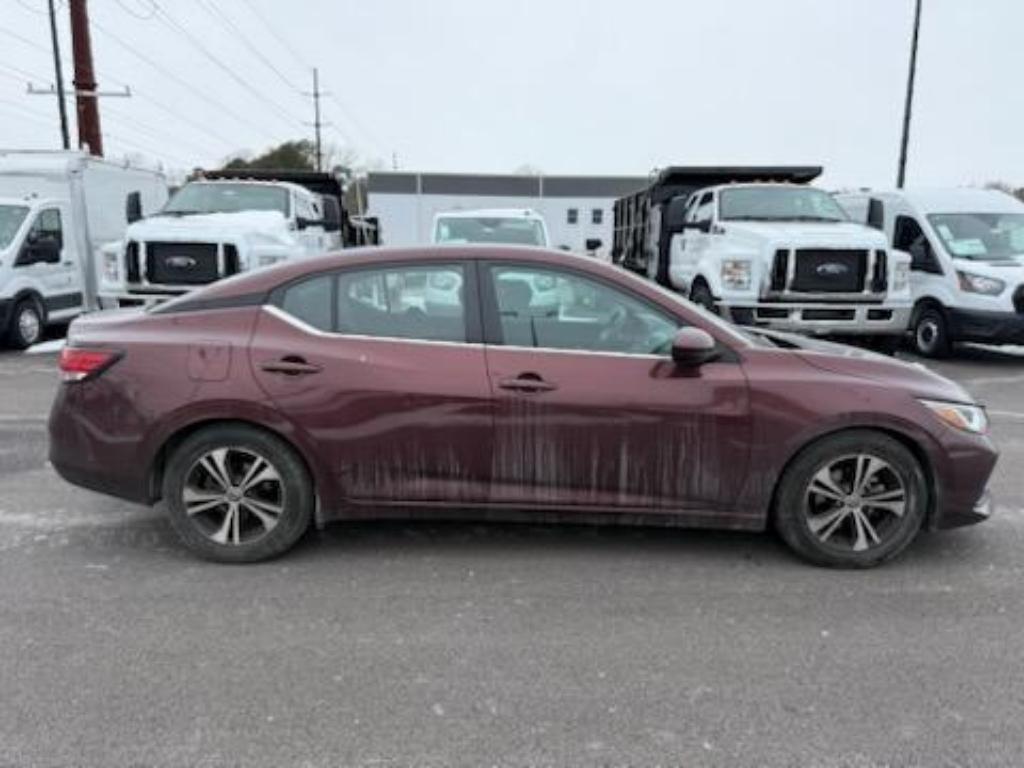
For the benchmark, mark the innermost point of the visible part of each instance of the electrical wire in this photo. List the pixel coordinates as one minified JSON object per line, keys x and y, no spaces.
{"x":147,"y":17}
{"x":31,"y":43}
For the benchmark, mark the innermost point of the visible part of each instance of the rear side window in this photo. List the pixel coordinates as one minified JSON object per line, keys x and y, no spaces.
{"x":310,"y":302}
{"x":426,"y":303}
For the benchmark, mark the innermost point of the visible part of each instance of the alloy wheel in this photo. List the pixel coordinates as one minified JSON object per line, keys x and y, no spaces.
{"x":855,"y":502}
{"x":927,"y":334}
{"x":29,"y":324}
{"x":233,"y":496}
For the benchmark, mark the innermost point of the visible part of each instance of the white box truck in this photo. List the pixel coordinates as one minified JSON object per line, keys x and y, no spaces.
{"x":967,"y":249}
{"x":57,"y":209}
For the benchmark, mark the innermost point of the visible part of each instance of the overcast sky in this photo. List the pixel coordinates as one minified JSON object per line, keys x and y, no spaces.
{"x":566,"y":86}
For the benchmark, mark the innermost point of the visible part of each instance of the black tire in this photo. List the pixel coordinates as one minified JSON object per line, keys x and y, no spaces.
{"x":931,"y":333}
{"x":701,"y":294}
{"x":291,"y":486}
{"x":28,"y":314}
{"x":826,"y":532}
{"x":884,"y":345}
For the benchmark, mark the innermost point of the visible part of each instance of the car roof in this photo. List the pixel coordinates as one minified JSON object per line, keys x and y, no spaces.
{"x":267,"y":279}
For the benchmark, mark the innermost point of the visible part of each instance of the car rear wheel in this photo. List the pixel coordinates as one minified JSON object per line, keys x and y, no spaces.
{"x":236,"y":494}
{"x":853,"y":500}
{"x":931,"y":333}
{"x":26,"y":325}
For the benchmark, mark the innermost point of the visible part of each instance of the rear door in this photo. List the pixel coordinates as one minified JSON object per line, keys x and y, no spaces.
{"x":590,"y":410}
{"x":383,"y":369}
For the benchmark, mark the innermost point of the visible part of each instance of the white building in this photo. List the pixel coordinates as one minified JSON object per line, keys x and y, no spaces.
{"x":576,"y":208}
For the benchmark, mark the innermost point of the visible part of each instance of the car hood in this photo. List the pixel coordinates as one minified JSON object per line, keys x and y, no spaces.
{"x":212,"y":226}
{"x":845,"y":360}
{"x":799,"y":233}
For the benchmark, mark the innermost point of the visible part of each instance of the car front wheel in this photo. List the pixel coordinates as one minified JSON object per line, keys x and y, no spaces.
{"x":931,"y":333}
{"x":237,"y":494}
{"x":26,"y":327}
{"x":853,"y":500}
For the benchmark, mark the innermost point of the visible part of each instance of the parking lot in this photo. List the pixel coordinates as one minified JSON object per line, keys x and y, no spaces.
{"x":473,"y":644}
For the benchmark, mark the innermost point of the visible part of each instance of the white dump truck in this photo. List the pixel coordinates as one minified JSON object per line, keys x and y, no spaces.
{"x":761,"y":247}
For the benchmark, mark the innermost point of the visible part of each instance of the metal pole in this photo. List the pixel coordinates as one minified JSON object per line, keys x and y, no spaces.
{"x":89,"y":134}
{"x":316,"y":120}
{"x":60,"y":78}
{"x":901,"y":175}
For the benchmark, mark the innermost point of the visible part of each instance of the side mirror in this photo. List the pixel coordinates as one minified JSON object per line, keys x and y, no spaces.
{"x":693,"y":347}
{"x":700,"y":226}
{"x":41,"y":249}
{"x":593,"y":243}
{"x":332,"y":213}
{"x":133,"y":207}
{"x":303,"y":223}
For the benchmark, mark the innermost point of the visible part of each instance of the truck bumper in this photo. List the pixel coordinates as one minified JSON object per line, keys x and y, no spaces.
{"x":822,"y":319}
{"x":986,"y":327}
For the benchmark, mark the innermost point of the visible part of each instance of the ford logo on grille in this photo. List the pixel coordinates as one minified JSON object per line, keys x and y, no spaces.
{"x":832,"y":269}
{"x":184,"y":262}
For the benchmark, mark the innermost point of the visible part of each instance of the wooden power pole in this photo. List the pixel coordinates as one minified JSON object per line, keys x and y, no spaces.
{"x":89,"y":134}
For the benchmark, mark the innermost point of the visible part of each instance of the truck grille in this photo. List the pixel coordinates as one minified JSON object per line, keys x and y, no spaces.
{"x":181,"y":263}
{"x":132,"y":262}
{"x":829,"y":271}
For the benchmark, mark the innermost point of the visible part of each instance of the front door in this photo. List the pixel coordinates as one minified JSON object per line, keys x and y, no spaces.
{"x":48,"y":259}
{"x":590,"y":410}
{"x":383,"y":370}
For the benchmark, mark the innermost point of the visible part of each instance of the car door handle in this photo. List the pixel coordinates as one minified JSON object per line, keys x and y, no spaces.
{"x":527,"y":383}
{"x":290,"y":366}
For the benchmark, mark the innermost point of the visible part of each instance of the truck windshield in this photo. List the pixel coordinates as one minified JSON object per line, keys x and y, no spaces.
{"x":11,"y":217}
{"x":981,"y":236}
{"x":778,"y":204}
{"x":466,"y":229}
{"x":227,"y":198}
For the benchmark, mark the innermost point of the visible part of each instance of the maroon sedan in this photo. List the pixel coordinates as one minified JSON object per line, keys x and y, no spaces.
{"x":503,"y":382}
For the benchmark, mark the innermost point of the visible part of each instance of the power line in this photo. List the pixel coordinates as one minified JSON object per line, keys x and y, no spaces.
{"x":274,"y":33}
{"x":130,"y":12}
{"x":164,"y":17}
{"x":25,"y":40}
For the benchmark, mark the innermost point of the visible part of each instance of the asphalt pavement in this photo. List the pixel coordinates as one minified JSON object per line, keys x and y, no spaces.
{"x":383,"y":644}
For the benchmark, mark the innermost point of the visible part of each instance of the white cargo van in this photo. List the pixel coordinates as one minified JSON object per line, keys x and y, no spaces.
{"x":967,"y":250}
{"x":513,"y":226}
{"x":56,"y":210}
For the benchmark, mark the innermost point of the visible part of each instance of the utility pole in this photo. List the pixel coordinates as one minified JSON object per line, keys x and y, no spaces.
{"x":901,"y":175}
{"x":89,"y":135}
{"x":317,"y":123}
{"x":62,"y":106}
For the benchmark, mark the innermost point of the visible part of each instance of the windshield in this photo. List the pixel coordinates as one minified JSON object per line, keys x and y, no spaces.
{"x":466,"y":229}
{"x":981,"y":236}
{"x":11,"y":217}
{"x":227,"y":198}
{"x":778,"y":204}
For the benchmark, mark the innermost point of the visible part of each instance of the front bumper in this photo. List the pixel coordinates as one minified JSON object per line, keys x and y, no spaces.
{"x":986,"y":327}
{"x":821,"y":318}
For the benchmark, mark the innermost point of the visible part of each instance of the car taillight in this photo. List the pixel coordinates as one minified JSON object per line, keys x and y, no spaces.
{"x":79,"y":364}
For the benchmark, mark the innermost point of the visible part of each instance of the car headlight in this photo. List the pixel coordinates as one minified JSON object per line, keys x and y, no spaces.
{"x":736,"y":274}
{"x":967,"y":418}
{"x":979,"y":284}
{"x":901,"y":276}
{"x":111,"y":267}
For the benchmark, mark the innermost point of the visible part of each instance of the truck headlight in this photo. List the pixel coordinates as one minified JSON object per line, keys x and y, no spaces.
{"x":112,"y":267}
{"x":901,"y":276}
{"x":967,"y":418}
{"x":736,"y":274}
{"x":988,"y":286}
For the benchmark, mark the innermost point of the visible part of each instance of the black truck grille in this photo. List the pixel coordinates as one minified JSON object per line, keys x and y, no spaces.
{"x":181,"y":263}
{"x":829,"y":271}
{"x":132,"y":262}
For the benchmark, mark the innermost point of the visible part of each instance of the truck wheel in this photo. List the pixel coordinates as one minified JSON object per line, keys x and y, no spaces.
{"x":26,"y":324}
{"x":931,"y":333}
{"x":701,"y":294}
{"x":852,"y":500}
{"x":237,"y":494}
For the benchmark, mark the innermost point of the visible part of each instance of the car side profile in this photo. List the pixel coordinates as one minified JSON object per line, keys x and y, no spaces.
{"x":330,"y":389}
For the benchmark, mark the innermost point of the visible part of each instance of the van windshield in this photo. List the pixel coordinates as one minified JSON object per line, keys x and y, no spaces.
{"x":11,"y":217}
{"x":468,"y":229}
{"x":778,"y":204}
{"x":981,"y":236}
{"x":226,"y":198}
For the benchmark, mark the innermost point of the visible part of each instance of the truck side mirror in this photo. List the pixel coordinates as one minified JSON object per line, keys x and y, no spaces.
{"x":593,"y":243}
{"x":693,"y":347}
{"x":39,"y":250}
{"x":332,"y":214}
{"x":700,"y":226}
{"x":133,"y":207}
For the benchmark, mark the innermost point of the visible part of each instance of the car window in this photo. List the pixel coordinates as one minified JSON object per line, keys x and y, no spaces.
{"x":310,"y":302}
{"x":908,"y":236}
{"x":705,"y":211}
{"x":403,"y":302}
{"x":47,"y":226}
{"x":554,"y":309}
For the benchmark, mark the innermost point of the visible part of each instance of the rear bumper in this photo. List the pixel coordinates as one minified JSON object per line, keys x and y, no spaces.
{"x":986,"y":327}
{"x":822,"y":318}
